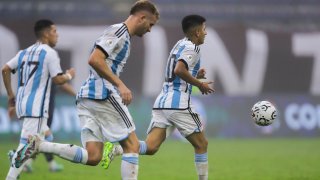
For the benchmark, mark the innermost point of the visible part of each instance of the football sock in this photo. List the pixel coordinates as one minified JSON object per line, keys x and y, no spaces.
{"x":49,"y":156}
{"x":201,"y":162}
{"x":130,"y":166}
{"x":118,"y":150}
{"x":69,"y":152}
{"x":143,"y":147}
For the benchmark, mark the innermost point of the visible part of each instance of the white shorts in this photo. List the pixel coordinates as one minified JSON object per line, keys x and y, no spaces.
{"x":103,"y":121}
{"x":33,"y":126}
{"x":186,"y":121}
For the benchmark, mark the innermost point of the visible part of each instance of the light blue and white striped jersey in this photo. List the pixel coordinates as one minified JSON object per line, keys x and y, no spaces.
{"x":35,"y":66}
{"x":115,"y":43}
{"x":176,"y":92}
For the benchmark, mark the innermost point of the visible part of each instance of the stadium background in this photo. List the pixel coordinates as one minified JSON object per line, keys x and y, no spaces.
{"x":255,"y":50}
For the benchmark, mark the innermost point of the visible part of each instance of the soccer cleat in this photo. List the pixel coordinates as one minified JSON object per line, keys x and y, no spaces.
{"x":29,"y":150}
{"x":108,"y":155}
{"x":55,"y":167}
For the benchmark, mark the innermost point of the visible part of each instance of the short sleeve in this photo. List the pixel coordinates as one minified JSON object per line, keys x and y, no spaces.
{"x":54,"y":63}
{"x":188,"y":55}
{"x":107,"y":43}
{"x":14,"y":62}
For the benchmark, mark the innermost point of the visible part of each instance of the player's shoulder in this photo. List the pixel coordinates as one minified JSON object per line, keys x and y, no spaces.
{"x":189,"y":45}
{"x":117,"y":30}
{"x":48,"y":49}
{"x":50,"y":53}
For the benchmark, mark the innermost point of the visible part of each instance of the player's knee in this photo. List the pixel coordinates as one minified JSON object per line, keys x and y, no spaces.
{"x":94,"y":159}
{"x":131,"y":147}
{"x":201,"y":145}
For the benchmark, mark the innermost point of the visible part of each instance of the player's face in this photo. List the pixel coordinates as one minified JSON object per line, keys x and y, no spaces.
{"x":146,"y":23}
{"x":52,"y":36}
{"x":202,"y":33}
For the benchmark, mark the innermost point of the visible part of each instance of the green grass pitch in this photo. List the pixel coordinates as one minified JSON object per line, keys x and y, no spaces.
{"x":234,"y":159}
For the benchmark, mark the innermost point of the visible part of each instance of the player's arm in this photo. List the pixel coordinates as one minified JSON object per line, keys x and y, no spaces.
{"x":182,"y":71}
{"x":201,"y":74}
{"x":62,"y":78}
{"x":6,"y":77}
{"x":97,"y":62}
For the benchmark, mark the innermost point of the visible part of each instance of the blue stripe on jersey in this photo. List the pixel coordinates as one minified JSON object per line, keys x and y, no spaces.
{"x":104,"y":90}
{"x":19,"y":80}
{"x":176,"y":93}
{"x":43,"y":97}
{"x":36,"y":83}
{"x":81,"y":89}
{"x":176,"y":85}
{"x":25,"y":69}
{"x":194,"y":73}
{"x":164,"y":97}
{"x":92,"y":87}
{"x":121,"y":55}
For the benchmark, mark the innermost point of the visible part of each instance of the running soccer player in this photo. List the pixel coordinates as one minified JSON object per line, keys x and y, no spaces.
{"x":102,"y":100}
{"x":173,"y":106}
{"x":36,"y":67}
{"x":54,"y":166}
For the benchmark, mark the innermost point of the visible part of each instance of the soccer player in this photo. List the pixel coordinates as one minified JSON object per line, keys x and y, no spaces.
{"x":36,"y":67}
{"x":54,"y":166}
{"x":173,"y":106}
{"x":102,"y":100}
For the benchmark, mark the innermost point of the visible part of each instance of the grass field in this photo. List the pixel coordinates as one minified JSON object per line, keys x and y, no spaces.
{"x":236,"y":159}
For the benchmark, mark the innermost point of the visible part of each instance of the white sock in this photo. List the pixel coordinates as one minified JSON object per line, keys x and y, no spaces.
{"x":69,"y":152}
{"x":118,"y":150}
{"x":13,"y":171}
{"x":129,"y":166}
{"x":201,"y":162}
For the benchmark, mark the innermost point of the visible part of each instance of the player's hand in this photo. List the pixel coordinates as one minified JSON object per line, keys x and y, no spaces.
{"x":125,"y":94}
{"x":201,"y":74}
{"x":11,"y":101}
{"x":12,"y":107}
{"x":71,"y":71}
{"x":205,"y":88}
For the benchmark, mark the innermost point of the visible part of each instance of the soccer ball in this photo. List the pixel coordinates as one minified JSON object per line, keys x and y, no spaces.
{"x":264,"y":113}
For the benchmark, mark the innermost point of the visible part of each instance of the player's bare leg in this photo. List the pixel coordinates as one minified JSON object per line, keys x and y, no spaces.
{"x":200,"y":144}
{"x":154,"y":140}
{"x":94,"y":150}
{"x":148,"y":147}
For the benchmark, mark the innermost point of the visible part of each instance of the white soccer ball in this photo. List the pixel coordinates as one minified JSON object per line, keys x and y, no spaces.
{"x":264,"y":113}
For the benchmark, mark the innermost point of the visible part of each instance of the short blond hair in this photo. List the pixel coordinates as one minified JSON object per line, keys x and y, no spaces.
{"x":144,"y":5}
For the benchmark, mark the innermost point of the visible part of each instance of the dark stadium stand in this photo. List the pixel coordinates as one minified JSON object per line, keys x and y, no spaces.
{"x":301,"y":14}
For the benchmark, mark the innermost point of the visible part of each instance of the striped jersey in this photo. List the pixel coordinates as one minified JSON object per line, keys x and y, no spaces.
{"x":176,"y":92}
{"x":35,"y":66}
{"x":115,"y":43}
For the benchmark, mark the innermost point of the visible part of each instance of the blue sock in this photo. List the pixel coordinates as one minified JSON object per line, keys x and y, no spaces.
{"x":49,"y":138}
{"x":143,"y":147}
{"x":201,"y":157}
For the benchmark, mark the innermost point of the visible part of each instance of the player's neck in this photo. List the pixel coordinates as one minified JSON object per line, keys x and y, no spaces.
{"x":130,"y":25}
{"x":194,"y":40}
{"x":42,"y":41}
